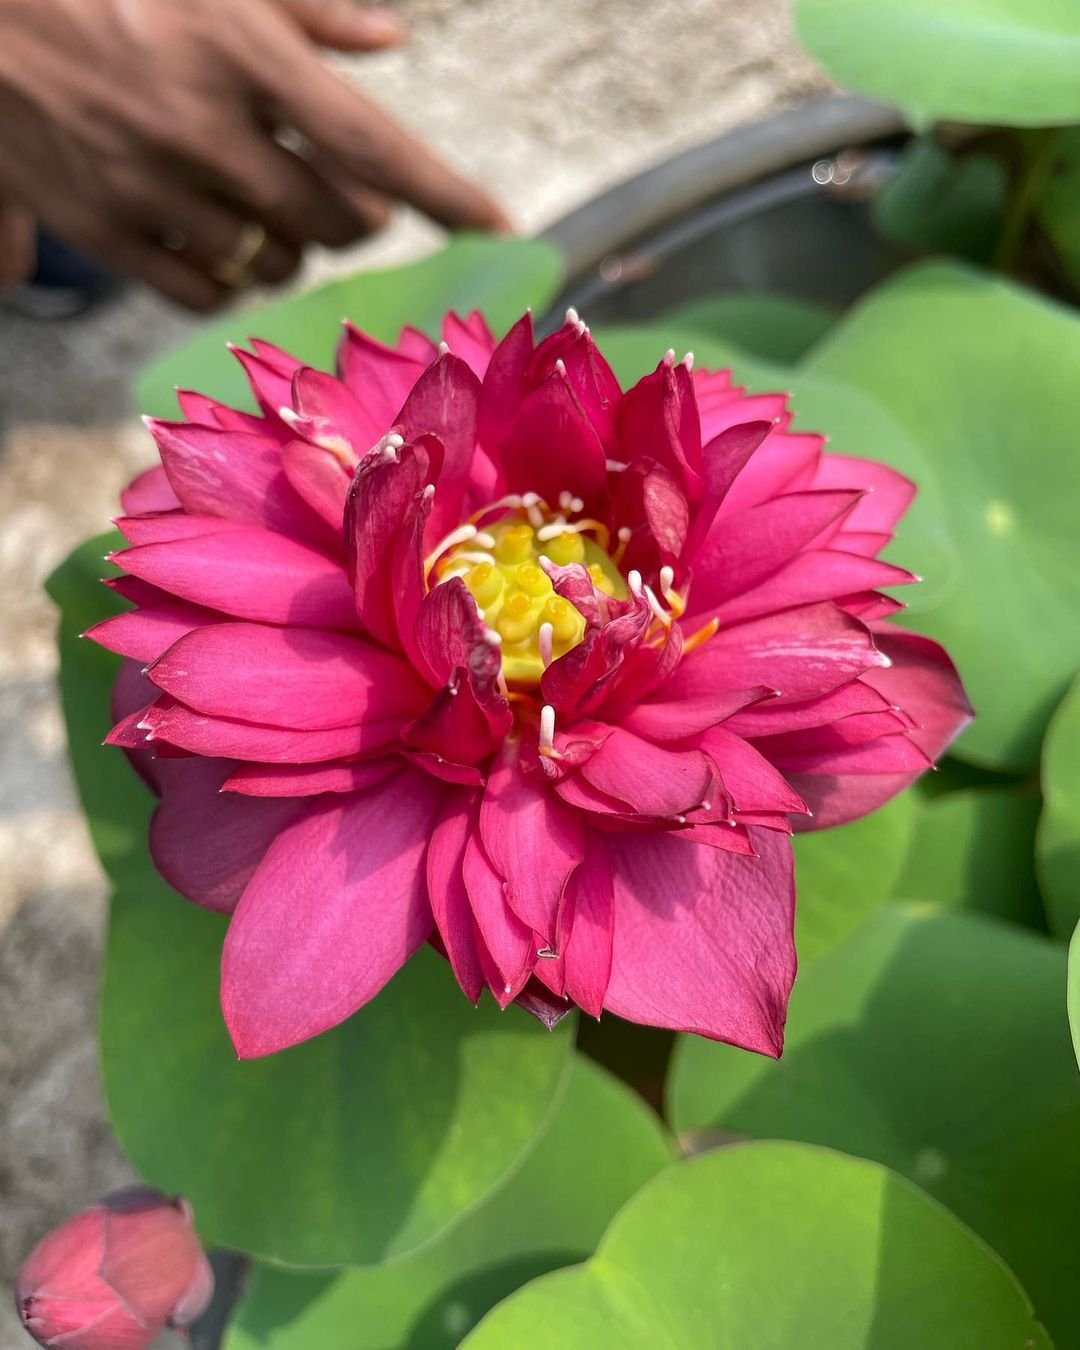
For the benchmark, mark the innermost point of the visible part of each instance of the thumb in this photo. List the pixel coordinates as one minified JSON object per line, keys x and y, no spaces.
{"x":17,"y":251}
{"x":345,"y":26}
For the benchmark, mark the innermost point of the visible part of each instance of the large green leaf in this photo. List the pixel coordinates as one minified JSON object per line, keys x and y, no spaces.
{"x":771,"y":327}
{"x":975,"y":849}
{"x":603,"y":1144}
{"x":981,"y":376}
{"x":939,"y":202}
{"x":359,"y":1145}
{"x":843,"y":874}
{"x":1058,"y":845}
{"x":935,"y":1042}
{"x":774,"y":1246}
{"x":498,"y":275}
{"x":998,"y":61}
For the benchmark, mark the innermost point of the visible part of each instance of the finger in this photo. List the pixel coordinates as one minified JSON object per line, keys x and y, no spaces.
{"x":17,"y":245}
{"x":208,"y":234}
{"x":176,"y":277}
{"x":274,"y":186}
{"x":368,"y":148}
{"x":345,"y":26}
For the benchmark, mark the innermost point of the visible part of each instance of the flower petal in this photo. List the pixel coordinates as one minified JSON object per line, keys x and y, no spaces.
{"x":589,"y":921}
{"x":651,"y":781}
{"x":222,"y":738}
{"x":297,"y":677}
{"x":443,"y":403}
{"x":704,"y":939}
{"x":252,"y":574}
{"x":233,"y":832}
{"x":507,"y":939}
{"x":448,"y":894}
{"x":532,"y":839}
{"x":336,"y":907}
{"x":308,"y":780}
{"x":149,"y":491}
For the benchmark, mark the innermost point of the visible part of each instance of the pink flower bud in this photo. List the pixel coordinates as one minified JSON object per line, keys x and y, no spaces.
{"x":113,"y":1276}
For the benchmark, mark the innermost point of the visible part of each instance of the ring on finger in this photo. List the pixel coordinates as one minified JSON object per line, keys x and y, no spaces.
{"x":237,"y":270}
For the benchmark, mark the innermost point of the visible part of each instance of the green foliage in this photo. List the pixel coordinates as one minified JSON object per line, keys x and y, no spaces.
{"x":1058,"y":206}
{"x":500,"y":276}
{"x":973,"y":370}
{"x":843,"y":874}
{"x":1058,"y":847}
{"x":975,"y":849}
{"x":602,"y":1144}
{"x":934,"y":1042}
{"x":773,"y":1246}
{"x":336,"y":1150}
{"x":771,"y":327}
{"x":1008,"y":62}
{"x":939,"y":202}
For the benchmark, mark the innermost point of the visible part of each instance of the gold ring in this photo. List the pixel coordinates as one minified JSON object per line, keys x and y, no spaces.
{"x":236,"y":269}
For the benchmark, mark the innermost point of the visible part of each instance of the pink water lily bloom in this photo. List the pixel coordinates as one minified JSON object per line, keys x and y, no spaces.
{"x":468,"y":645}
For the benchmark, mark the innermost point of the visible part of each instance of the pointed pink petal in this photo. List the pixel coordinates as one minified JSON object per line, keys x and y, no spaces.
{"x":149,"y":491}
{"x":471,"y":339}
{"x":443,"y":403}
{"x":447,"y":893}
{"x":650,"y":780}
{"x":505,"y":384}
{"x":532,"y":839}
{"x":784,"y":462}
{"x":237,"y":475}
{"x":381,"y":508}
{"x":337,"y":906}
{"x":886,"y":493}
{"x":551,"y":447}
{"x":143,"y":634}
{"x":331,"y":414}
{"x":377,"y":375}
{"x":803,"y":653}
{"x":676,"y":719}
{"x":724,"y":458}
{"x":590,"y":926}
{"x":744,"y":549}
{"x":269,"y":371}
{"x":218,"y":737}
{"x":507,"y":939}
{"x":752,"y":781}
{"x":152,"y":1259}
{"x":308,"y":780}
{"x":320,"y":478}
{"x":416,"y":345}
{"x":658,"y":419}
{"x":163,"y":527}
{"x":297,"y":677}
{"x":233,"y":832}
{"x":819,"y":574}
{"x":775,"y":717}
{"x":924,"y":683}
{"x":252,"y":574}
{"x":703,"y":939}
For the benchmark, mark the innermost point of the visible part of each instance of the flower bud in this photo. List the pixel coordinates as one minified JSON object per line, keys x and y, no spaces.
{"x":113,"y":1276}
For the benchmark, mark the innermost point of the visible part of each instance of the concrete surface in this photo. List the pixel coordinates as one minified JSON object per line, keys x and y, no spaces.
{"x":546,"y":103}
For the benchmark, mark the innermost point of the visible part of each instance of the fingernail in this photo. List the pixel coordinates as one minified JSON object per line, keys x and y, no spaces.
{"x":383,"y":25}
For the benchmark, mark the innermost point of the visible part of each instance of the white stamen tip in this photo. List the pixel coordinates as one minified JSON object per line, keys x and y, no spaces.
{"x":444,"y":349}
{"x":572,"y":316}
{"x":623,"y":534}
{"x":289,"y":416}
{"x":428,"y":492}
{"x":544,"y":639}
{"x":688,"y":360}
{"x":560,"y":366}
{"x":547,"y":729}
{"x":633,"y":580}
{"x":669,"y":357}
{"x":394,"y":441}
{"x":667,"y":579}
{"x":484,"y":539}
{"x":492,"y":638}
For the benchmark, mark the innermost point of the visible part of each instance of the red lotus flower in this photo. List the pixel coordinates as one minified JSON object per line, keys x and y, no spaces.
{"x":115,"y":1275}
{"x":469,"y":645}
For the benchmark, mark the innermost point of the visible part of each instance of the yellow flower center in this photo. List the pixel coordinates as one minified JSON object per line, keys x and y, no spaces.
{"x":500,"y":565}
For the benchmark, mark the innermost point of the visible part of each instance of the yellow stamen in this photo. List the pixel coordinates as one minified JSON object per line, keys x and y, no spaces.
{"x":515,"y":545}
{"x":485,"y":583}
{"x":532,"y":579}
{"x":516,"y":620}
{"x":565,"y":548}
{"x":699,"y":638}
{"x":563,"y":617}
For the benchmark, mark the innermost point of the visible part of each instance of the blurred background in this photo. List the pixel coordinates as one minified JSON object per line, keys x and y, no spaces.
{"x":545,"y":106}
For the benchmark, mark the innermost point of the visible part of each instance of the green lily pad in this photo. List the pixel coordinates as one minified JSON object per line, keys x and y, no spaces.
{"x":843,"y":874}
{"x":939,"y":202}
{"x":602,"y":1145}
{"x":1058,"y":207}
{"x":772,"y":327}
{"x":981,"y":377}
{"x":1058,"y":846}
{"x":771,"y":1246}
{"x":975,"y":849}
{"x":935,"y":1042}
{"x":335,"y":1151}
{"x":1009,"y":62}
{"x":501,"y":276}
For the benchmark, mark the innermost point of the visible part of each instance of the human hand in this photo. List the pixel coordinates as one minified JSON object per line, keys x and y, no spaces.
{"x":145,"y":133}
